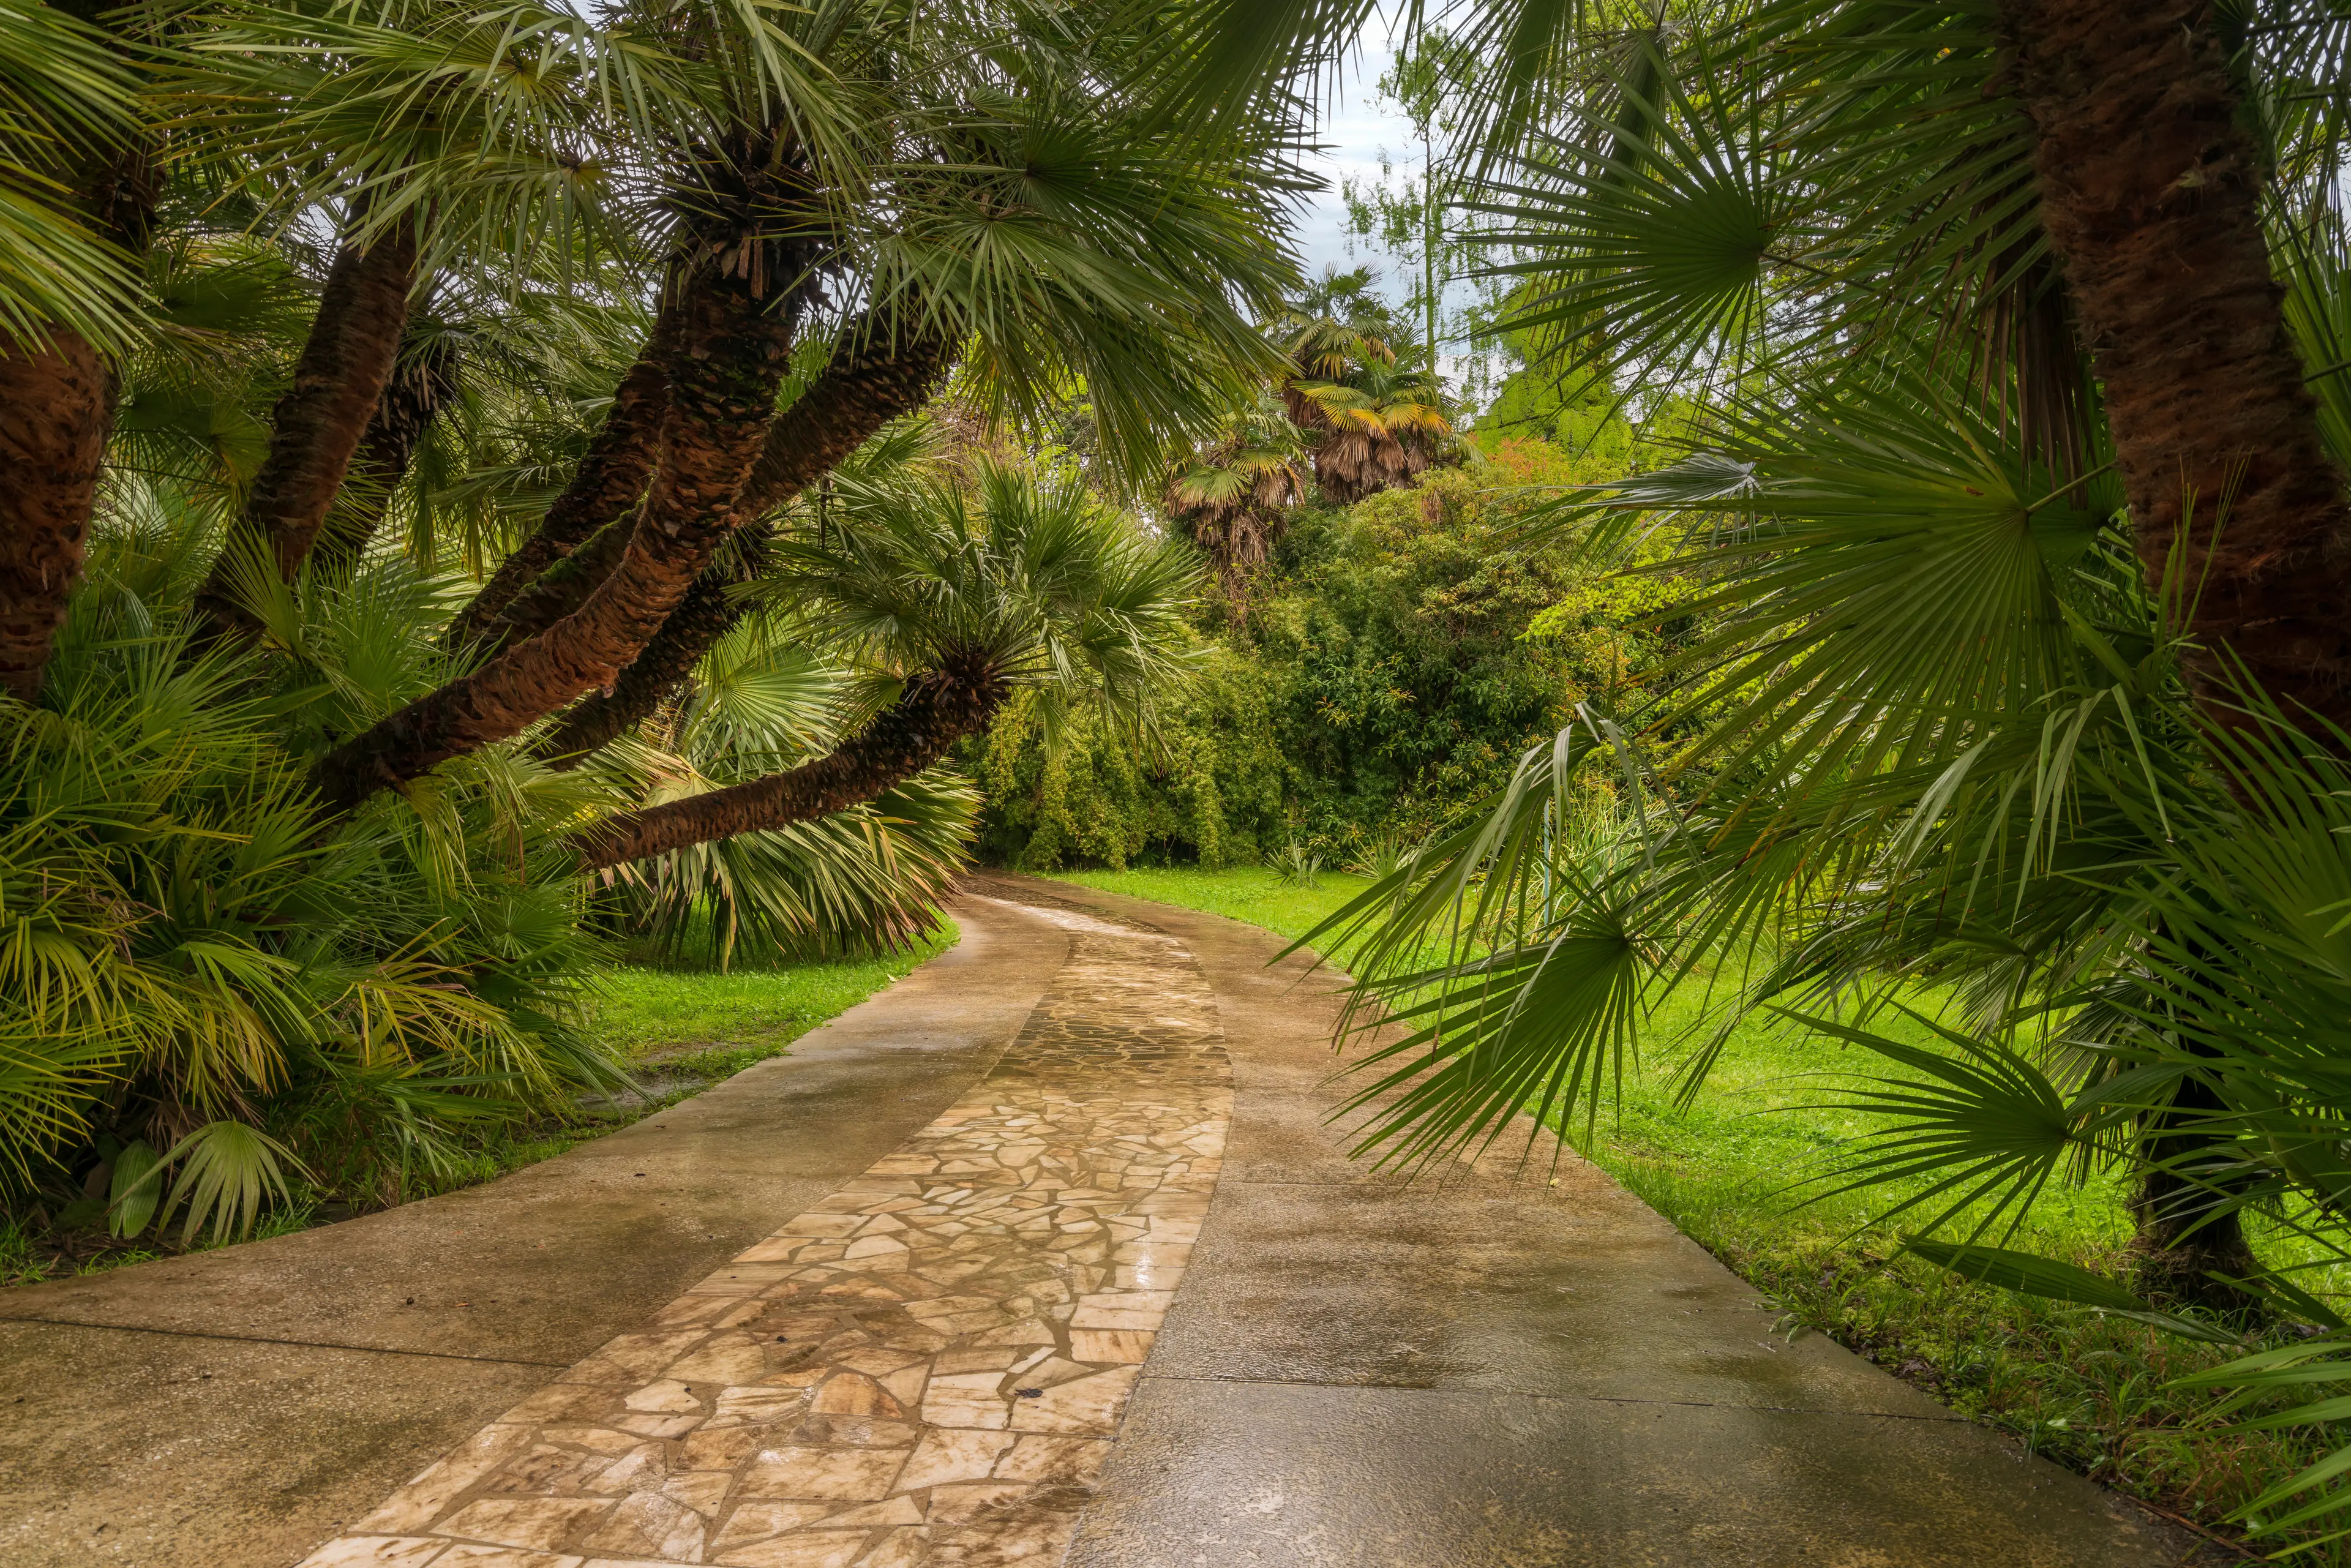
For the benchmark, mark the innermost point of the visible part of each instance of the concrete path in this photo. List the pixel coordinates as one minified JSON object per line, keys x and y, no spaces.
{"x":987,"y":1179}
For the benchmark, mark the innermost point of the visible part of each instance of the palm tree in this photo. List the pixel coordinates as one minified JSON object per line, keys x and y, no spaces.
{"x":872,"y":875}
{"x":2017,"y":531}
{"x":1380,"y":427}
{"x":955,"y":601}
{"x":1371,"y":423}
{"x":1232,"y":496}
{"x":362,"y":333}
{"x":1128,"y":267}
{"x":76,"y":201}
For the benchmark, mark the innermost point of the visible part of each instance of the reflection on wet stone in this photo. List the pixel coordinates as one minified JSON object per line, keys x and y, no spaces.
{"x":929,"y":1369}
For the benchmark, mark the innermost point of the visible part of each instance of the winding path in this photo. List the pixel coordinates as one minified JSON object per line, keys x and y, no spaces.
{"x":984,"y":1337}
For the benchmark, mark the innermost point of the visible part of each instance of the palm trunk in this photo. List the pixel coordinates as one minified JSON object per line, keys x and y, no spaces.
{"x":603,"y":487}
{"x":2190,"y":1241}
{"x":731,"y":354}
{"x":56,"y":409}
{"x":2150,"y":195}
{"x":57,"y":405}
{"x":875,"y":378}
{"x":318,"y":424}
{"x":707,"y":613}
{"x":936,"y":708}
{"x":421,"y":380}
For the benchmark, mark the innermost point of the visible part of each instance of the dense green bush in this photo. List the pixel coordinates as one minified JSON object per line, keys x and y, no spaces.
{"x":1386,"y":672}
{"x":1209,"y":786}
{"x":205,"y":999}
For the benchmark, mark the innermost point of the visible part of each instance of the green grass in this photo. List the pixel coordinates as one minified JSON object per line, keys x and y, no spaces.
{"x":2089,"y":1392}
{"x":657,"y":1012}
{"x":682,"y":1030}
{"x":1254,"y":894}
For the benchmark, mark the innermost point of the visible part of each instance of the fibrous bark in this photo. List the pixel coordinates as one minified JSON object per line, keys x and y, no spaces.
{"x":936,"y":708}
{"x":2150,"y":195}
{"x":707,"y":613}
{"x":602,"y":489}
{"x":318,"y":424}
{"x":730,"y":356}
{"x":57,"y":397}
{"x":876,"y":378}
{"x":877,"y":375}
{"x":423,"y":376}
{"x":57,"y":405}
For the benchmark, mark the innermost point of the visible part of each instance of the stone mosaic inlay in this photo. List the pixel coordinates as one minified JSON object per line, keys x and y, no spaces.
{"x":927,"y":1368}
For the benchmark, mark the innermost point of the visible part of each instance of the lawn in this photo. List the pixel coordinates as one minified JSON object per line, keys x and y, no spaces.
{"x":682,"y":1030}
{"x":2087,"y":1391}
{"x":685,"y":1027}
{"x":662,"y":1014}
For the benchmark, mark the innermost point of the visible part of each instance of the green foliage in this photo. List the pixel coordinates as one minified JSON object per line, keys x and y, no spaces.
{"x":1389,"y":669}
{"x":1296,"y":867}
{"x":193,"y":967}
{"x":1210,"y":789}
{"x":867,"y":877}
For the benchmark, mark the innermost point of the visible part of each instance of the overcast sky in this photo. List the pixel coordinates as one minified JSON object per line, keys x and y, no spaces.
{"x":1357,"y":127}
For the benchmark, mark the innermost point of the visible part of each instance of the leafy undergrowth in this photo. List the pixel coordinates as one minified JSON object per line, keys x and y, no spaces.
{"x":2088,"y":1392}
{"x":683,"y":1028}
{"x":1255,"y":894}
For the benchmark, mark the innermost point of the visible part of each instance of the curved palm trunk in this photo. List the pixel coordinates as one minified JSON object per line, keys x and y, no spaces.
{"x":707,"y":613}
{"x":878,"y":379}
{"x":318,"y":424}
{"x":875,"y":378}
{"x":2150,"y":196}
{"x":603,"y":487}
{"x":57,"y":405}
{"x":422,"y":379}
{"x":730,"y":357}
{"x":936,"y":708}
{"x":56,"y":409}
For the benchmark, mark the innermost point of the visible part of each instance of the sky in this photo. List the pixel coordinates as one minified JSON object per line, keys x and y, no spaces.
{"x":1357,"y":126}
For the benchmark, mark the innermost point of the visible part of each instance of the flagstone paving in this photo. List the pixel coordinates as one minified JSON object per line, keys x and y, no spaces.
{"x":1080,"y":1274}
{"x":929,"y":1367}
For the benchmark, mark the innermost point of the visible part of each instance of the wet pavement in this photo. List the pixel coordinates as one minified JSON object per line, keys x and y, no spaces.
{"x":1047,"y":1254}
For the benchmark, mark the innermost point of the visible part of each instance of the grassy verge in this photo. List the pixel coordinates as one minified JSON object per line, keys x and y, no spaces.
{"x":681,"y":1029}
{"x":2086,"y":1391}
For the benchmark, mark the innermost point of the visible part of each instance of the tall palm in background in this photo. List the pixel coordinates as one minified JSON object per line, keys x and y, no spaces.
{"x":1371,"y":422}
{"x":2016,"y":521}
{"x":1232,"y":496}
